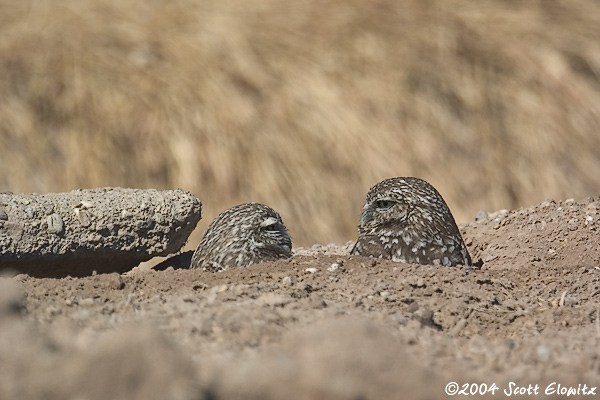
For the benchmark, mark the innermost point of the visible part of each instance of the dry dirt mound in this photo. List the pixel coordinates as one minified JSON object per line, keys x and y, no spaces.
{"x":322,"y":324}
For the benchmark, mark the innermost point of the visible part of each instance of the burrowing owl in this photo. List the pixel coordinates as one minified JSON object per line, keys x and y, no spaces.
{"x":242,"y":236}
{"x":407,"y":220}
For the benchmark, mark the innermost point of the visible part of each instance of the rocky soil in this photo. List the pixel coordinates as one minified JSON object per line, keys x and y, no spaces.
{"x":323,"y":324}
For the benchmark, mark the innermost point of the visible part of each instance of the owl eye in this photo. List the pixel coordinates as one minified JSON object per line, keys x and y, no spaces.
{"x":271,"y":228}
{"x":383,"y":204}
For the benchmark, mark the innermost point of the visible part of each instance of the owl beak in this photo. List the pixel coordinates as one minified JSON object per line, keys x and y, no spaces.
{"x":366,"y":217}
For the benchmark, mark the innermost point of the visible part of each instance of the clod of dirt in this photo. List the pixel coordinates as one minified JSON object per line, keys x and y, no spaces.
{"x":341,"y":358}
{"x":12,"y":298}
{"x":132,"y":362}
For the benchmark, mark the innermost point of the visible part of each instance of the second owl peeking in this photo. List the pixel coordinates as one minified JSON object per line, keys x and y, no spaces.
{"x":404,"y":220}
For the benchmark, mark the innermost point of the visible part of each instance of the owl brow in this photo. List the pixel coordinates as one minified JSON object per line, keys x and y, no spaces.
{"x":396,"y":199}
{"x":387,"y":198}
{"x":268,"y":222}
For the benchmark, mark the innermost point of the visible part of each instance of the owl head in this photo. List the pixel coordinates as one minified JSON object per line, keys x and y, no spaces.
{"x":241,"y":236}
{"x":407,"y":220}
{"x":403,"y":202}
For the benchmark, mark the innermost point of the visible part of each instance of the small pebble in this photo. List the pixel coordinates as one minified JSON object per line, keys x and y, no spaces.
{"x":333,"y":267}
{"x":481,"y":215}
{"x":288,"y":281}
{"x":88,"y":301}
{"x":544,"y":353}
{"x":55,"y":224}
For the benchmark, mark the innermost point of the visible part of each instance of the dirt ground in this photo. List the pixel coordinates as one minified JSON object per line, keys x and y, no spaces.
{"x":324,"y":325}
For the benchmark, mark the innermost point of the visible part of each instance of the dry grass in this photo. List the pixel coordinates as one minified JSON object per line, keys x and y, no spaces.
{"x":303,"y":105}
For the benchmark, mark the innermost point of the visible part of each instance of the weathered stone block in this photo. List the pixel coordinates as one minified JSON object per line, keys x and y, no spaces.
{"x":86,"y":230}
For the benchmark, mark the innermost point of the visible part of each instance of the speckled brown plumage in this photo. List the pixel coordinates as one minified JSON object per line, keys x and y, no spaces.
{"x":407,"y":220}
{"x":241,"y":236}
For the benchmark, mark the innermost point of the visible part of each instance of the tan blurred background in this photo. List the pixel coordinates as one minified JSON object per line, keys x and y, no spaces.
{"x":305,"y":104}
